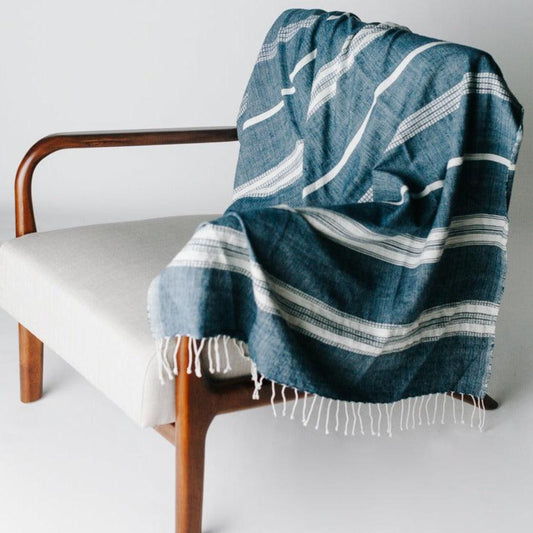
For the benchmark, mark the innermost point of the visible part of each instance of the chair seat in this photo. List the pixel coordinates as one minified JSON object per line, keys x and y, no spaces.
{"x":82,"y":291}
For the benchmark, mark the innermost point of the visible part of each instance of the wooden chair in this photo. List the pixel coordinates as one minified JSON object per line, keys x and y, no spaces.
{"x":197,"y":401}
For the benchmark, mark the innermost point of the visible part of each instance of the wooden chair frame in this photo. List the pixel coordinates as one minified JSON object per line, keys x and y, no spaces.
{"x":197,"y":401}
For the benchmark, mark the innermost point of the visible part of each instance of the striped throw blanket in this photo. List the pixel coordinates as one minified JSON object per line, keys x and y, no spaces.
{"x":364,"y":254}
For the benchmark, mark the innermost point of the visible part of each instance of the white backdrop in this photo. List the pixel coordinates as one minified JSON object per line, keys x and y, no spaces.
{"x":78,"y":460}
{"x":167,"y":63}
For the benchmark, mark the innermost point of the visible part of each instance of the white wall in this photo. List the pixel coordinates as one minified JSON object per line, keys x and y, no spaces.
{"x":145,"y":64}
{"x":111,"y":64}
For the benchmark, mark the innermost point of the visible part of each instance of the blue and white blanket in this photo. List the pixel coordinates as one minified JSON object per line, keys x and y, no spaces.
{"x":364,"y":254}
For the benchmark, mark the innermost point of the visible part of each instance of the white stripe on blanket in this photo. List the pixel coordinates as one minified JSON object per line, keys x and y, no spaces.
{"x":452,"y":163}
{"x":285,"y":173}
{"x":402,"y":249}
{"x":380,"y":89}
{"x":495,"y":158}
{"x":325,"y":84}
{"x":447,"y":103}
{"x":257,"y":119}
{"x":218,"y":247}
{"x":263,"y":116}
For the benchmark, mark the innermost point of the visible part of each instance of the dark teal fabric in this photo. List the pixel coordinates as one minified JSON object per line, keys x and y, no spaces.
{"x":364,"y":254}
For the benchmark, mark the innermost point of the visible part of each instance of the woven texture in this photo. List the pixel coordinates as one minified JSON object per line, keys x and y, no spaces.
{"x":364,"y":254}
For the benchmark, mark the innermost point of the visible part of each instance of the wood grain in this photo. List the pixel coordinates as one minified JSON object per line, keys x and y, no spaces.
{"x":31,"y":366}
{"x":24,"y":214}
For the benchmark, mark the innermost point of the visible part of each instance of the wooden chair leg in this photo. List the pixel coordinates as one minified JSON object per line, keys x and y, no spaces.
{"x":31,"y":366}
{"x":197,"y":403}
{"x":190,"y":457}
{"x":195,"y":409}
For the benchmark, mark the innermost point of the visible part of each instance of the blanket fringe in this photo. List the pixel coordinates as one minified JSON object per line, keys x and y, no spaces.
{"x":347,"y":415}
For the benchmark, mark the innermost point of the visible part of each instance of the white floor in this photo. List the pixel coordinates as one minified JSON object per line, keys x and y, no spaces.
{"x":73,"y":462}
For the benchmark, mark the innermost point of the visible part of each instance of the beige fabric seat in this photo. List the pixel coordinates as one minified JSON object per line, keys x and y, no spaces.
{"x":82,"y":291}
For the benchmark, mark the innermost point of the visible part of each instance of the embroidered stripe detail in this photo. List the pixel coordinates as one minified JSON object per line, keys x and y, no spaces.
{"x":402,"y":249}
{"x":325,"y":84}
{"x":218,"y":248}
{"x":367,"y":197}
{"x":243,"y":106}
{"x":273,"y":180}
{"x":285,"y":34}
{"x":380,"y":89}
{"x":447,"y":103}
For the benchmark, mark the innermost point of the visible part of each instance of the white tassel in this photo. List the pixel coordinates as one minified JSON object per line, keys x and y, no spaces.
{"x":191,"y":354}
{"x":164,"y":349}
{"x":407,"y":421}
{"x":295,"y":403}
{"x":169,"y":361}
{"x":255,"y":379}
{"x":210,"y":355}
{"x":310,"y":410}
{"x":228,"y":365}
{"x":261,"y":379}
{"x":304,"y":409}
{"x":239,"y":346}
{"x":473,"y":410}
{"x":391,"y":419}
{"x":453,"y":409}
{"x":272,"y":398}
{"x":435,"y":408}
{"x":319,"y":412}
{"x":198,"y":345}
{"x":354,"y":418}
{"x":347,"y":418}
{"x":176,"y":350}
{"x":371,"y":419}
{"x":159,"y":350}
{"x":217,"y":353}
{"x":327,"y":417}
{"x":415,"y":401}
{"x":165,"y":358}
{"x":484,"y":414}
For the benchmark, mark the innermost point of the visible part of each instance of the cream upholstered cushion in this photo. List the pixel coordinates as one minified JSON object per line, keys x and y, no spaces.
{"x":82,"y":291}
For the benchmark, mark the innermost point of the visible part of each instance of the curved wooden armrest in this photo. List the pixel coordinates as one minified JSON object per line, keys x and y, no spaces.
{"x":24,"y":216}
